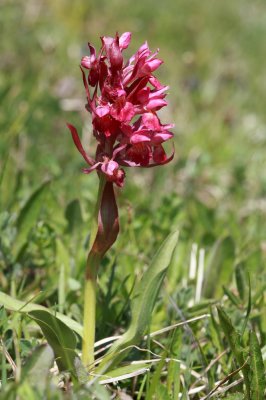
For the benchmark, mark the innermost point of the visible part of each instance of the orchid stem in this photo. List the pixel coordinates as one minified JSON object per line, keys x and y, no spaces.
{"x":89,"y":322}
{"x":90,"y":290}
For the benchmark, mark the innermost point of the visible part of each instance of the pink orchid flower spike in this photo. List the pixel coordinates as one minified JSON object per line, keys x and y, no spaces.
{"x":124,"y":98}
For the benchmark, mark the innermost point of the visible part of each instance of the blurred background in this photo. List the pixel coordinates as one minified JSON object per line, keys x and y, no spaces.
{"x":214,"y":62}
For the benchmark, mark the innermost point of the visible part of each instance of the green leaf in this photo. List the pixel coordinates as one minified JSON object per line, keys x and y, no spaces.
{"x":124,"y":372}
{"x":37,"y":367}
{"x":216,"y":337}
{"x":155,"y":381}
{"x":248,"y":307}
{"x":234,"y":299}
{"x":59,"y":336}
{"x":96,"y":392}
{"x":231,"y":334}
{"x":219,"y":267}
{"x":73,"y":215}
{"x":234,"y":396}
{"x":62,"y":260}
{"x":146,"y":292}
{"x":173,"y":373}
{"x":258,"y":382}
{"x":161,"y":392}
{"x":28,"y":216}
{"x":20,"y":306}
{"x":8,"y":182}
{"x":56,"y":329}
{"x":144,"y":297}
{"x":201,"y":307}
{"x":234,"y":340}
{"x":240,"y":281}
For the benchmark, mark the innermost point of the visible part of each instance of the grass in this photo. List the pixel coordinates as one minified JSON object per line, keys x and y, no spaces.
{"x":213,"y":193}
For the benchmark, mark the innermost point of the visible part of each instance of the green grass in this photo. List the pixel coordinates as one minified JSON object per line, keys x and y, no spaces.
{"x":213,"y":193}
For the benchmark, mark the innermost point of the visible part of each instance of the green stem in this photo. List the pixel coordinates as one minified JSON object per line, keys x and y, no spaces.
{"x":89,"y":321}
{"x":90,"y":289}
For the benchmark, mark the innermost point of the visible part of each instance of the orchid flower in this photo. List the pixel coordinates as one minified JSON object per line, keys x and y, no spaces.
{"x":118,"y":92}
{"x":123,"y":98}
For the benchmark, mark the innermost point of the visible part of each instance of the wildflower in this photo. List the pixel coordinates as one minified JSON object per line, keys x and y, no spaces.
{"x":123,"y":99}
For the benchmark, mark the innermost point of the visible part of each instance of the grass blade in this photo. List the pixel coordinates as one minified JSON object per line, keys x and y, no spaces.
{"x":219,"y":267}
{"x":258,"y":382}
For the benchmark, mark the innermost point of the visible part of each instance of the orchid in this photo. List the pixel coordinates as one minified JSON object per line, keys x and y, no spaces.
{"x":123,"y":99}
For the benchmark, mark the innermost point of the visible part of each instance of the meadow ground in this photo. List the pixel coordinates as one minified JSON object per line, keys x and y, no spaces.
{"x":213,"y":193}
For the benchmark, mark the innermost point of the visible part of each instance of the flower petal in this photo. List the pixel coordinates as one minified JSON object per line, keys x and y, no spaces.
{"x":151,"y":121}
{"x":124,"y":40}
{"x":109,"y":167}
{"x":89,"y":170}
{"x":123,"y":114}
{"x":86,"y":62}
{"x":139,"y":138}
{"x":156,"y":104}
{"x":85,"y":83}
{"x":160,"y":137}
{"x":78,"y":144}
{"x":101,"y":111}
{"x":165,"y":161}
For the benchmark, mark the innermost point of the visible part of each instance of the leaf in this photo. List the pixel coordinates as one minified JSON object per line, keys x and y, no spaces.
{"x":96,"y":392}
{"x":231,"y":334}
{"x":216,"y":337}
{"x":173,"y":373}
{"x":28,"y":216}
{"x":125,"y":372}
{"x":62,"y":260}
{"x":234,"y":299}
{"x":248,"y":307}
{"x":234,"y":340}
{"x":146,"y":292}
{"x":155,"y":381}
{"x":235,"y":396}
{"x":219,"y":267}
{"x":258,"y":382}
{"x":161,"y":392}
{"x":240,"y":281}
{"x":8,"y":182}
{"x":73,"y":215}
{"x":59,"y":336}
{"x":20,"y":306}
{"x":56,"y":329}
{"x":37,"y":367}
{"x":199,"y":308}
{"x":144,"y":297}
